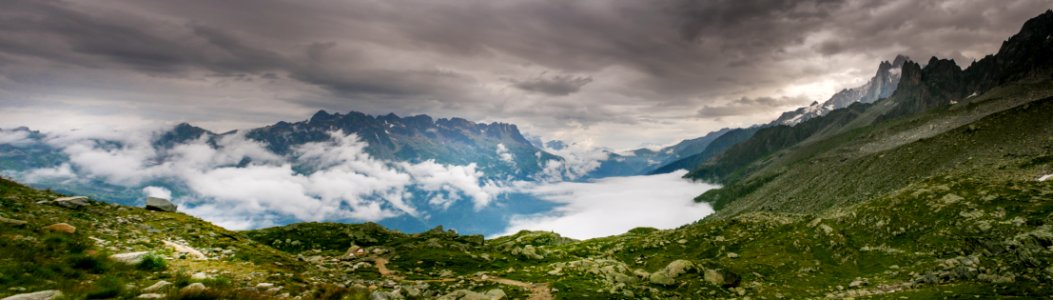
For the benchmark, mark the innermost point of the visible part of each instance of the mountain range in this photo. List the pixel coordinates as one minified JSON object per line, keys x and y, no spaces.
{"x":941,"y":190}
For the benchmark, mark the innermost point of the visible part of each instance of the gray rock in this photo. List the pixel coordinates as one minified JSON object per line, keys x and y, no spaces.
{"x":157,"y":286}
{"x":131,"y":258}
{"x":151,"y":296}
{"x":71,"y":202}
{"x":496,"y":294}
{"x":194,"y":287}
{"x":382,"y":295}
{"x":160,"y":204}
{"x":713,"y":277}
{"x":41,"y":295}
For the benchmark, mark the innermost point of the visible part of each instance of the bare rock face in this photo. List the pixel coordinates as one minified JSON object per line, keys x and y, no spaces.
{"x":160,"y":204}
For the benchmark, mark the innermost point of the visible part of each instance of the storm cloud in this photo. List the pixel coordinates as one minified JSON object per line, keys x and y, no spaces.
{"x":665,"y":70}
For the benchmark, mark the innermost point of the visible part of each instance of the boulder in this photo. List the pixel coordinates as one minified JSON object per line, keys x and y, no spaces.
{"x":661,"y":278}
{"x":713,"y":277}
{"x":131,"y":258}
{"x":160,"y":204}
{"x":496,"y":294}
{"x":193,"y":287}
{"x":41,"y":295}
{"x":190,"y":252}
{"x":71,"y":202}
{"x":382,"y":295}
{"x":157,"y":286}
{"x":61,"y":227}
{"x":667,"y":275}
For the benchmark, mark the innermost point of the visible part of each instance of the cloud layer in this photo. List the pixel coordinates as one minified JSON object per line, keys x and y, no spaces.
{"x":239,"y":184}
{"x":625,"y":72}
{"x":615,"y":205}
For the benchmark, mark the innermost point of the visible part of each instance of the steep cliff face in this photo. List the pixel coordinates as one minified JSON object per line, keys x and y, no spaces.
{"x":1026,"y":56}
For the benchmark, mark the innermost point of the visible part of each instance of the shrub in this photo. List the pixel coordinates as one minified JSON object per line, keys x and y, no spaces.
{"x":153,"y":262}
{"x":106,"y":287}
{"x":89,"y":263}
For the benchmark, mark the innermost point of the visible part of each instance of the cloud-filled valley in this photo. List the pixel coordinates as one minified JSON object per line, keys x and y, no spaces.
{"x":238,"y":183}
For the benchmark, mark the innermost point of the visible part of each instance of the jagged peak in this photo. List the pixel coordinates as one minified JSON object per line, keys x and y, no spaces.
{"x":900,"y":60}
{"x":321,"y":115}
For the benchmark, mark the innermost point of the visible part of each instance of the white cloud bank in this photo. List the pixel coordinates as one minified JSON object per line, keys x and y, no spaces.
{"x":614,"y":205}
{"x":342,"y":181}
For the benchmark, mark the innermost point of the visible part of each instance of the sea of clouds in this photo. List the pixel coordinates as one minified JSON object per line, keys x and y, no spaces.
{"x":237,"y":183}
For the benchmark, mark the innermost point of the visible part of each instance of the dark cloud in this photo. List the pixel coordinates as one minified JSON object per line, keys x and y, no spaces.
{"x":556,"y":85}
{"x":641,"y":60}
{"x":747,"y":106}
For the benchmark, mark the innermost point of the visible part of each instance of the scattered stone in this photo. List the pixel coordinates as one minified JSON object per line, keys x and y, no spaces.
{"x":193,"y":287}
{"x":61,"y":227}
{"x":264,"y":285}
{"x":1045,"y":177}
{"x":496,"y":294}
{"x":191,"y":252}
{"x":12,"y":221}
{"x":41,"y":295}
{"x":131,"y":258}
{"x":858,"y":283}
{"x":667,"y":275}
{"x":157,"y":286}
{"x":681,"y":241}
{"x":71,"y":202}
{"x":199,"y":276}
{"x":151,"y":296}
{"x":382,"y":295}
{"x":714,"y":277}
{"x":733,"y":255}
{"x":160,"y":204}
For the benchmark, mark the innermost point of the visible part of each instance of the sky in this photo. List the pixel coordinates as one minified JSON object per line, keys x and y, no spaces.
{"x":618,"y":74}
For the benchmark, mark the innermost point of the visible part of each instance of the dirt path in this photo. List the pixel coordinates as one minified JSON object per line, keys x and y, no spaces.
{"x":538,"y":291}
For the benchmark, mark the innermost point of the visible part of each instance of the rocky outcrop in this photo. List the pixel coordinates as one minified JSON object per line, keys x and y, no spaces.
{"x":160,"y":204}
{"x":71,"y":202}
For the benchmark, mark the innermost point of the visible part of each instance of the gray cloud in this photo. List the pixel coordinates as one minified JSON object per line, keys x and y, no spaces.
{"x":556,"y":85}
{"x":251,"y":62}
{"x":747,"y":106}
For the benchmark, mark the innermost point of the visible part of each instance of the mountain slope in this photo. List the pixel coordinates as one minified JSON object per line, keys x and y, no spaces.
{"x":718,"y":146}
{"x":918,"y":132}
{"x":937,"y":86}
{"x":947,"y":234}
{"x":646,"y":161}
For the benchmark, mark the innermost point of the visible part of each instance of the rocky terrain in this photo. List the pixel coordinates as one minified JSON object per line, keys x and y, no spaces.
{"x":942,"y":236}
